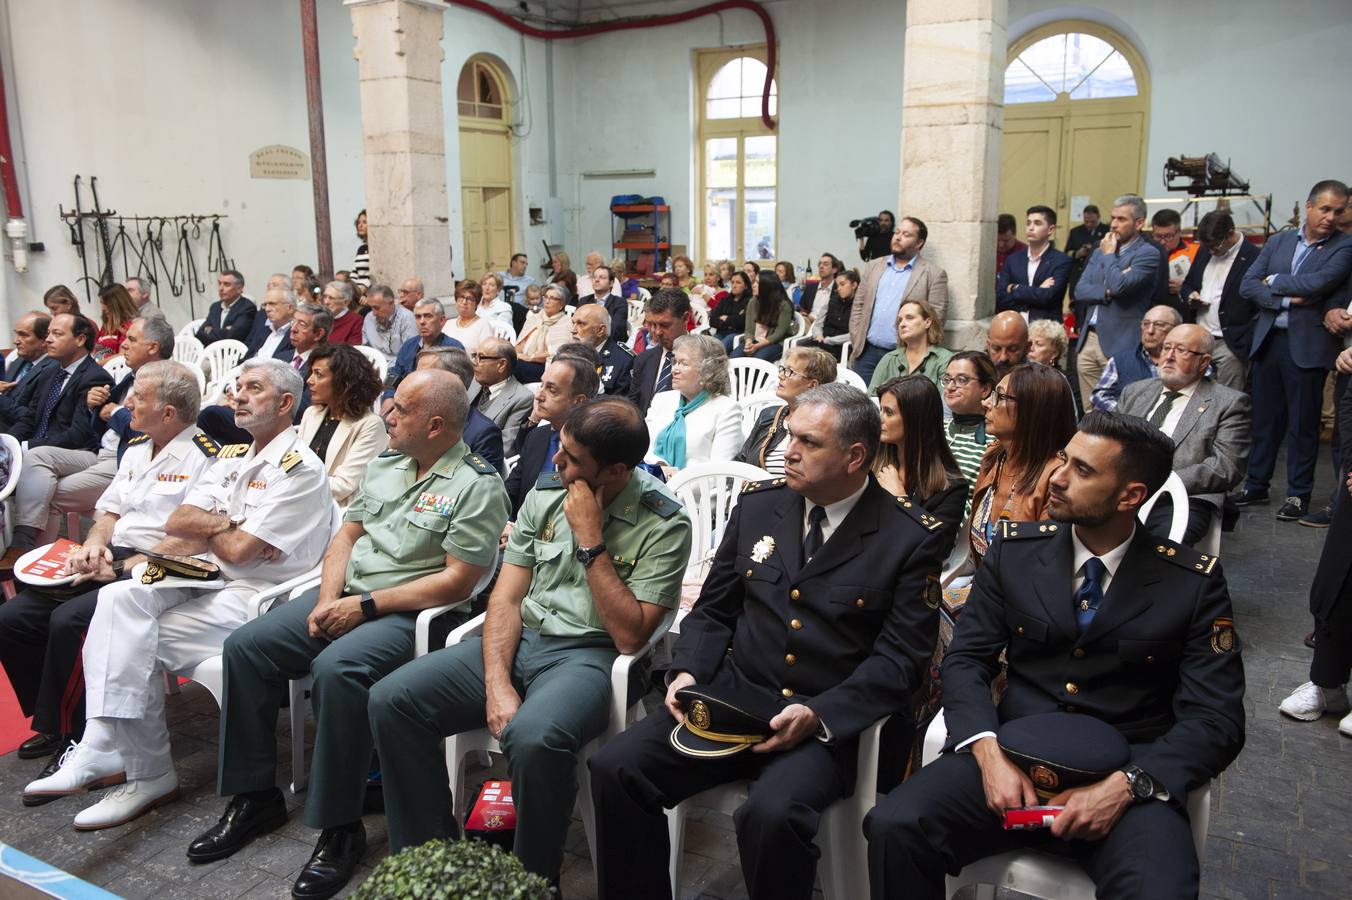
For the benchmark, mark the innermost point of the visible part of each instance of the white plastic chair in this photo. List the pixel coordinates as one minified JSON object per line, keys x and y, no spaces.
{"x":1178,"y":499}
{"x":221,"y":356}
{"x":749,"y":375}
{"x":846,"y":375}
{"x":755,"y":404}
{"x":187,"y":350}
{"x":708,"y":491}
{"x":15,"y":470}
{"x":1037,"y":873}
{"x":623,"y":713}
{"x":201,"y":379}
{"x":503,"y":330}
{"x":509,"y":464}
{"x":117,"y":368}
{"x":377,"y":359}
{"x":840,"y":836}
{"x":190,"y":330}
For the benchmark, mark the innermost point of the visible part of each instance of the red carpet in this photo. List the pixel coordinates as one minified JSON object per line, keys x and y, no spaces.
{"x":14,"y":728}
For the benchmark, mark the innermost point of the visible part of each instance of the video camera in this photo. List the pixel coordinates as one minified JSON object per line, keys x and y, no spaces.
{"x":867,"y":228}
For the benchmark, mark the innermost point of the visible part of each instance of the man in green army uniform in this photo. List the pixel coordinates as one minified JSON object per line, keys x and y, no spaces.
{"x":422,"y":531}
{"x":592,"y":567}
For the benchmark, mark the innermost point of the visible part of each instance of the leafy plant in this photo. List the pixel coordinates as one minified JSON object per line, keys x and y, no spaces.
{"x":453,"y":870}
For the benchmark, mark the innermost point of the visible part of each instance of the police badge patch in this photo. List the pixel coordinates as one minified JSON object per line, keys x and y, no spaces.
{"x":934,"y":592}
{"x":762,"y":549}
{"x":1223,"y":637}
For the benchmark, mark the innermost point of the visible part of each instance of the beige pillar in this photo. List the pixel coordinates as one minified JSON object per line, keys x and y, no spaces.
{"x":952,"y":115}
{"x":399,"y":56}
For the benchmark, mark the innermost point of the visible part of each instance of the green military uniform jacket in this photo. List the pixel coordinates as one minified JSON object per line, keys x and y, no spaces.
{"x":459,"y":507}
{"x":646,"y":536}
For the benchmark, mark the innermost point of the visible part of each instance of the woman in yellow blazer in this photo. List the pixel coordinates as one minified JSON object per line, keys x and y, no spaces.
{"x":341,"y":426}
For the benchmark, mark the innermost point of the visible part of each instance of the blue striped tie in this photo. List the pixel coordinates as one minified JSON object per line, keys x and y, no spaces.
{"x":49,"y":404}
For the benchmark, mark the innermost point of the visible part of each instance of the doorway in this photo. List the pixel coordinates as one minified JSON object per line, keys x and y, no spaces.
{"x":485,"y":167}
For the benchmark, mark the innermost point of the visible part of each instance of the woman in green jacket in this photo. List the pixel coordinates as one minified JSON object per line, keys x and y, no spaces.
{"x":769,"y":319}
{"x":919,"y":351}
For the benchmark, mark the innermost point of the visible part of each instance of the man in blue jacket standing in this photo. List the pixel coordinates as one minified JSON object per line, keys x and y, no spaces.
{"x":1034,"y":278}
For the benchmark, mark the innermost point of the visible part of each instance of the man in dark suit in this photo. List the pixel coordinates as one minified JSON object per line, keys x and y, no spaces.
{"x":664,"y":317}
{"x":1295,"y":282}
{"x":271,"y":334}
{"x":30,"y":345}
{"x":567,"y":382}
{"x":232,"y":316}
{"x":1117,"y":287}
{"x":1209,"y":424}
{"x":821,"y":602}
{"x":828,"y":267}
{"x":1211,"y":292}
{"x":48,"y":407}
{"x":1097,"y":617}
{"x":592,"y":327}
{"x":1037,"y":290}
{"x":614,"y":304}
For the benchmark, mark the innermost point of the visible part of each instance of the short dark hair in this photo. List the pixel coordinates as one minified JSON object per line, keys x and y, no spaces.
{"x":1166,"y":217}
{"x":850,"y":275}
{"x":1089,"y":207}
{"x":1215,"y":227}
{"x":1327,"y":186}
{"x":1004,"y":223}
{"x":857,"y":418}
{"x":921,"y":230}
{"x":356,"y":385}
{"x":1146,"y":454}
{"x":40,"y":323}
{"x":584,"y":378}
{"x":84,"y":329}
{"x":986,"y":373}
{"x":609,"y":271}
{"x":235,"y":275}
{"x":887,"y":212}
{"x":836,"y":265}
{"x":1045,"y":211}
{"x":580,"y":351}
{"x":611,"y":428}
{"x":668,"y":299}
{"x":516,"y":256}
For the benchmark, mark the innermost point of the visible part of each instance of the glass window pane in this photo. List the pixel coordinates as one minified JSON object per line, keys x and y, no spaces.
{"x":1084,"y":53}
{"x":727,"y":81}
{"x":466,"y":109}
{"x":759,"y":167}
{"x":727,"y":108}
{"x":758,"y":232}
{"x":1112,"y":79}
{"x":1047,"y":60}
{"x":720,"y":206}
{"x":464,"y":90}
{"x":720,"y":162}
{"x":753,"y":77}
{"x":1022,"y":86}
{"x":735,"y":91}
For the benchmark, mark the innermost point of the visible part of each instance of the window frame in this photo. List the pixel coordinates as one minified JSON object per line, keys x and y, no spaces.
{"x":1139,"y":71}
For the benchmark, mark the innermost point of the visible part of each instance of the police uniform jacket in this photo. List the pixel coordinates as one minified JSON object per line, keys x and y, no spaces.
{"x":849,"y":634}
{"x":617,"y":361}
{"x":1160,"y":660}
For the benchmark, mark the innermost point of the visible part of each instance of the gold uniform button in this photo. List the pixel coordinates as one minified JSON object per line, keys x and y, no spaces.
{"x":1078,"y":653}
{"x":1150,"y":659}
{"x":787,"y":692}
{"x":748,"y":573}
{"x":1072,"y":687}
{"x":859,"y":603}
{"x":790,"y":658}
{"x":793,"y":594}
{"x":796,"y":625}
{"x":1019,"y":630}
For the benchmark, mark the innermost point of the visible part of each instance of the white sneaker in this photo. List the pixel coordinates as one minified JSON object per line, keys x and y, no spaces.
{"x":1310,"y":701}
{"x":82,"y":768}
{"x":1345,"y":726}
{"x":127,"y":801}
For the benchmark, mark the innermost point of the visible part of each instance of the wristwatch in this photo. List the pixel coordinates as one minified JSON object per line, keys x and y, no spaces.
{"x":1141,"y":785}
{"x":368,"y":606}
{"x":586,"y":555}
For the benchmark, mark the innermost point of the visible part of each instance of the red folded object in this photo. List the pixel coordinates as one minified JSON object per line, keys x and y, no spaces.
{"x":1028,"y":817}
{"x":493,"y":816}
{"x":52,"y":564}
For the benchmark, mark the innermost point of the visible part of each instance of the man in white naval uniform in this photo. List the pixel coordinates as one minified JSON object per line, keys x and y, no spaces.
{"x":262,"y":515}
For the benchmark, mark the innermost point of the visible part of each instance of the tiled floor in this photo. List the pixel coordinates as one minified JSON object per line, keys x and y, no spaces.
{"x":1281,"y":824}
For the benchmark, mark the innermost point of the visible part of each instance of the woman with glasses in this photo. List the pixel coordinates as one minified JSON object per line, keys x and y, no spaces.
{"x":914,"y":460}
{"x":468,"y":327}
{"x":546,"y":330}
{"x":919,"y":352}
{"x":803,"y":368}
{"x":769,"y":319}
{"x":966,"y":384}
{"x":697,"y":420}
{"x":340,"y":425}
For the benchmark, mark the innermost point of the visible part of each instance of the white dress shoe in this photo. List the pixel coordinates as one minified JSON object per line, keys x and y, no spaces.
{"x":82,"y":768}
{"x":1345,"y":726}
{"x":1310,"y":701}
{"x":127,"y":801}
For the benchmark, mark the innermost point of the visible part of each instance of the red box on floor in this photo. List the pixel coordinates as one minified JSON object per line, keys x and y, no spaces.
{"x":493,"y":816}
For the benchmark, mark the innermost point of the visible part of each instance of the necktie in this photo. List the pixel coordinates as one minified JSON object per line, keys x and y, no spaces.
{"x":482,"y":400}
{"x":1162,"y":411}
{"x":49,"y":404}
{"x":23,"y":370}
{"x":664,"y":373}
{"x":296,"y":362}
{"x":813,"y":540}
{"x":549,"y":456}
{"x":1090,"y":594}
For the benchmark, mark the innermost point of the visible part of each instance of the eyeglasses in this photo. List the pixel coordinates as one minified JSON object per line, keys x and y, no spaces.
{"x":1156,"y":325}
{"x":785,"y":372}
{"x":1001,"y":397}
{"x":960,"y":380}
{"x":1183,"y":352}
{"x":479,"y":357}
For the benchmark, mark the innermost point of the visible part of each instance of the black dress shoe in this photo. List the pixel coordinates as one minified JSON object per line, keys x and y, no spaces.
{"x":332,"y":864}
{"x":247,"y":817}
{"x":40,"y":745}
{"x":48,"y":770}
{"x":1309,"y":640}
{"x":1255,"y":497}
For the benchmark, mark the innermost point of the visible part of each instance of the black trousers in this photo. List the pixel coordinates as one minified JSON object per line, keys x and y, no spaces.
{"x":638,"y":774}
{"x":937,"y":822}
{"x":1200,"y":514}
{"x":41,"y":636}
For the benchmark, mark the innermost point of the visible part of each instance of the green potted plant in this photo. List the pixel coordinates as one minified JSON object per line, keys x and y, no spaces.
{"x":454,"y":870}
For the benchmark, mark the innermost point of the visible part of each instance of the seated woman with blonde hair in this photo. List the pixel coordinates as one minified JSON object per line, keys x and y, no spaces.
{"x":341,"y":425}
{"x":546,"y":330}
{"x":1046,"y":342}
{"x":802,"y":369}
{"x":919,"y":346}
{"x":697,"y":420}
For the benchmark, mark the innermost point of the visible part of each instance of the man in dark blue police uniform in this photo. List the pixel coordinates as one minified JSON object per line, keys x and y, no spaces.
{"x":822,"y":602}
{"x":1096,"y":616}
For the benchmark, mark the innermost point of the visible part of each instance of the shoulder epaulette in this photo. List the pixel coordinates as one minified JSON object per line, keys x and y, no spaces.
{"x":290,"y":460}
{"x":230,"y":451}
{"x":142,"y":438}
{"x":479,"y":464}
{"x":389,"y":453}
{"x":547,"y":481}
{"x":204,"y":443}
{"x":752,"y":486}
{"x":919,"y":513}
{"x":625,"y":347}
{"x":660,"y":503}
{"x":1186,"y":557}
{"x":1014,"y":531}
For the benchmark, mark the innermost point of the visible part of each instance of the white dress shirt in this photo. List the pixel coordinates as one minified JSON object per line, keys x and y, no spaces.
{"x":1213,"y":283}
{"x":1176,"y":411}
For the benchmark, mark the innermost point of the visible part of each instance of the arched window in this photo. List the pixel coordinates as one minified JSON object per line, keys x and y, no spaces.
{"x":738,"y":157}
{"x":479,"y":93}
{"x":1071,"y":64}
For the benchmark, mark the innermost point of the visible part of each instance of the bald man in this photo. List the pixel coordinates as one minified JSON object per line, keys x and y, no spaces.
{"x":1141,"y":363}
{"x":591,"y":326}
{"x":410,"y":292}
{"x":1007,"y":341}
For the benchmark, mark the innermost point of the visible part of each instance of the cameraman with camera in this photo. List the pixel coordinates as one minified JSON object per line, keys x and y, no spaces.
{"x":875,"y":234}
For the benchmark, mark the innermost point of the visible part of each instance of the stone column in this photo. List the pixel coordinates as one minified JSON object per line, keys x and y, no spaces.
{"x":951,"y":120}
{"x":399,"y":56}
